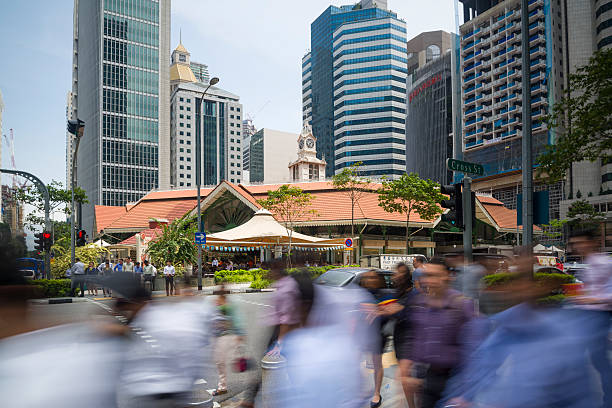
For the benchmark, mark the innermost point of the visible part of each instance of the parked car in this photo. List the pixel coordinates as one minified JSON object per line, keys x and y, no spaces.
{"x":342,"y":277}
{"x":28,"y":273}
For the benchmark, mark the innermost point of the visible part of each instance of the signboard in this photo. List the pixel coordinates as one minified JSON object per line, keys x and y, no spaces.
{"x":388,"y":262}
{"x":348,"y":243}
{"x":200,"y":238}
{"x":541,"y":201}
{"x":465,"y":167}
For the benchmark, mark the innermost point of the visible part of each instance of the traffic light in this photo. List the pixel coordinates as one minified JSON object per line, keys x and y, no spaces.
{"x":76,"y":127}
{"x":39,"y":243}
{"x":81,"y":237}
{"x":454,"y":204}
{"x":47,"y":241}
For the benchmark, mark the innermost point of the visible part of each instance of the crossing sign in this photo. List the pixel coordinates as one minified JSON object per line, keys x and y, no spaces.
{"x":200,"y":238}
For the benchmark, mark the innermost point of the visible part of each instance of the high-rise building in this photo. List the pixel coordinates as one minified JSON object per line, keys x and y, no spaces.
{"x":218,"y":126}
{"x":491,"y":95}
{"x":121,"y":92}
{"x":426,"y":47}
{"x":355,"y":78}
{"x":248,"y":130}
{"x":267,"y":148}
{"x":1,"y":110}
{"x":200,"y":71}
{"x":429,"y":120}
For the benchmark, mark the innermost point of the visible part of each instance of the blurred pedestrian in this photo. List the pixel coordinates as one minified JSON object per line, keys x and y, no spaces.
{"x":229,"y":335}
{"x":119,"y":266}
{"x":417,"y":273}
{"x":597,"y":301}
{"x":106,"y":272}
{"x":92,"y":275}
{"x":77,"y":278}
{"x":128,"y":265}
{"x":149,"y":272}
{"x":169,"y":273}
{"x":439,"y":321}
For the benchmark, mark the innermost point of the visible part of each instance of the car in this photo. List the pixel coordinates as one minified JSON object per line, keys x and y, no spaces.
{"x":552,"y":269}
{"x":342,"y":277}
{"x":28,"y":273}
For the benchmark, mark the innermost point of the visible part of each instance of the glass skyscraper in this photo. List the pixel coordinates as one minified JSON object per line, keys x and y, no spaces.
{"x":357,"y":50}
{"x":121,"y":91}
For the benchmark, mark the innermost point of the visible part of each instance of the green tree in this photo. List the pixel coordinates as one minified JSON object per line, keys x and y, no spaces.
{"x":175,"y":244}
{"x":554,"y":229}
{"x":289,"y":204}
{"x":59,"y":198}
{"x":87,"y":254}
{"x":581,"y":214}
{"x":411,"y":193}
{"x":582,"y":118}
{"x":350,"y":181}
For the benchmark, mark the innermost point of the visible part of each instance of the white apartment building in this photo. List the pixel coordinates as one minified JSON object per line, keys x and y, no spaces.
{"x":369,"y":88}
{"x":271,"y":153}
{"x":216,"y":120}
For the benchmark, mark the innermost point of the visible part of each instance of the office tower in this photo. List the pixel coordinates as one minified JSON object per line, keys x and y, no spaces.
{"x":1,"y":110}
{"x":358,"y":87}
{"x":307,"y":88}
{"x":121,"y":92}
{"x":248,"y":130}
{"x":200,"y":71}
{"x":429,"y":121}
{"x":218,"y":126}
{"x":491,"y":76}
{"x":268,"y":148}
{"x":427,"y":47}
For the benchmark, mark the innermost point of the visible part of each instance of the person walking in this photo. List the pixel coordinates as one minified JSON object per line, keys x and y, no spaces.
{"x":417,"y":273}
{"x":597,"y":302}
{"x":106,"y":272}
{"x":229,"y":336}
{"x":148,"y":273}
{"x":119,"y":266}
{"x":169,"y":273}
{"x":77,"y":277}
{"x":92,"y":275}
{"x":440,"y":320}
{"x":128,"y":265}
{"x":138,"y":271}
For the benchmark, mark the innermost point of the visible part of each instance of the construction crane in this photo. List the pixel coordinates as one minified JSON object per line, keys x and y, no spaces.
{"x":251,"y":117}
{"x":10,"y":143}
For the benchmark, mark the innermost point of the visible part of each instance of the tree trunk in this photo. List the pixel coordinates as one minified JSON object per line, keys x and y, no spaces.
{"x":407,"y":233}
{"x":353,"y":228}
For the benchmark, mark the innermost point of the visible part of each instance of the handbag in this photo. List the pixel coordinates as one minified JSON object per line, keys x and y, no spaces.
{"x":242,"y":363}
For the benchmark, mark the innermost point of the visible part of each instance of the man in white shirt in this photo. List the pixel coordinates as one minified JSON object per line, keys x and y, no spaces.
{"x":169,"y":273}
{"x":128,"y":265}
{"x":77,"y":277}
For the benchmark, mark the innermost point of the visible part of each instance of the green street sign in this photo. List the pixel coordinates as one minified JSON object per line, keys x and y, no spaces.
{"x":465,"y":167}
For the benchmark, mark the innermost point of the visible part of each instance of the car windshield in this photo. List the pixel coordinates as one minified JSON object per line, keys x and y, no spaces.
{"x":335,"y":278}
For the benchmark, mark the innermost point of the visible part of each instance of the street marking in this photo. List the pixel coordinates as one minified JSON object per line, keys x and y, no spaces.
{"x":150,"y":340}
{"x":102,"y":298}
{"x":146,"y":336}
{"x":253,"y":303}
{"x":200,"y":381}
{"x":216,"y":404}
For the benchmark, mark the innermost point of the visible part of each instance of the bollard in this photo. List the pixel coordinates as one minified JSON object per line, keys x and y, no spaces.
{"x":273,"y":378}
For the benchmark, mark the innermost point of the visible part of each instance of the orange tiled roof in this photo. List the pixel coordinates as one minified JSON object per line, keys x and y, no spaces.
{"x":489,"y":200}
{"x":504,"y":217}
{"x":168,"y":194}
{"x":144,"y":210}
{"x":107,"y":214}
{"x":148,"y":233}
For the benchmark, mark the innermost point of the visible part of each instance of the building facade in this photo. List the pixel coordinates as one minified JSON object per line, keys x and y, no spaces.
{"x":121,"y":92}
{"x":248,"y":130}
{"x":429,"y":120}
{"x":307,"y":167}
{"x":491,"y":90}
{"x":216,"y":121}
{"x":267,"y":148}
{"x":200,"y":71}
{"x":69,"y":139}
{"x":1,"y":110}
{"x":427,"y":47}
{"x":333,"y":59}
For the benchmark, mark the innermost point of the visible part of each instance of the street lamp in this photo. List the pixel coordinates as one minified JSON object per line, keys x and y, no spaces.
{"x":77,"y":128}
{"x":198,"y":147}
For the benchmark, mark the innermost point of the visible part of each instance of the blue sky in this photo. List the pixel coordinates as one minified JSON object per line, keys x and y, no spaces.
{"x":255,"y":47}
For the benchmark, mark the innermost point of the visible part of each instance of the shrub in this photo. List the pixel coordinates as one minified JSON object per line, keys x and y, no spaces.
{"x":258,"y":277}
{"x":501,"y":278}
{"x":260,"y":284}
{"x":51,"y":288}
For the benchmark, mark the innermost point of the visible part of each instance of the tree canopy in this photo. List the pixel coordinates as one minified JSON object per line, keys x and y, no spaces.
{"x":583,"y":119}
{"x":176,"y":243}
{"x":411,"y":193}
{"x":353,"y":184}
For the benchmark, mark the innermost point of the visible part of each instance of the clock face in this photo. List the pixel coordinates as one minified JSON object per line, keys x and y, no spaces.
{"x":310,"y":143}
{"x":301,"y":144}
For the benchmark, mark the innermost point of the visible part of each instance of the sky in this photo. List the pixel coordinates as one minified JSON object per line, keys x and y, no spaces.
{"x":254,"y":47}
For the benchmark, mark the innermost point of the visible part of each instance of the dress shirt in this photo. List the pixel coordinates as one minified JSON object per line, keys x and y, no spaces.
{"x":286,"y":310}
{"x":78,"y":268}
{"x":169,"y":270}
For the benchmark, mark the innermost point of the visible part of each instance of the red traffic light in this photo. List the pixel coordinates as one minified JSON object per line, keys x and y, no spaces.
{"x":81,"y":234}
{"x":46,"y":235}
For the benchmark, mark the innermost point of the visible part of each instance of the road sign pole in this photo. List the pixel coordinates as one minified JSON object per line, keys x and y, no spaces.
{"x":467,"y":218}
{"x":526,"y":141}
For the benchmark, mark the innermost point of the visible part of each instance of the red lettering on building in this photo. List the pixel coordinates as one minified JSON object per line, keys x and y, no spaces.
{"x":425,"y":85}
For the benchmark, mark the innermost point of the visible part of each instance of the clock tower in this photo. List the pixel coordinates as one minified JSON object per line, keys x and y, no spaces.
{"x":307,"y":167}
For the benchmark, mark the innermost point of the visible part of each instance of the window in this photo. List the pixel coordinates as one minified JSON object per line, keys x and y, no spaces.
{"x":237,"y":109}
{"x":181,"y":133}
{"x":238,"y":156}
{"x":232,"y":172}
{"x":238,"y":141}
{"x":181,"y":183}
{"x":188,"y":100}
{"x":188,"y":175}
{"x":238,"y":124}
{"x":181,"y":116}
{"x":237,"y":164}
{"x":188,"y":150}
{"x":181,"y":150}
{"x":238,"y":149}
{"x":189,"y":109}
{"x":189,"y":159}
{"x":181,"y":99}
{"x":231,"y":124}
{"x":232,"y":116}
{"x":188,"y":116}
{"x":238,"y":133}
{"x":180,"y":175}
{"x":232,"y":140}
{"x":238,"y":172}
{"x":233,"y":181}
{"x":189,"y":142}
{"x":181,"y":107}
{"x":232,"y":132}
{"x":181,"y":158}
{"x":313,"y":172}
{"x":181,"y":167}
{"x":188,"y":167}
{"x":232,"y":156}
{"x":188,"y":184}
{"x":231,"y":108}
{"x":182,"y":58}
{"x":432,"y":52}
{"x":238,"y":117}
{"x":181,"y":141}
{"x":188,"y":133}
{"x":231,"y":147}
{"x":181,"y":124}
{"x":238,"y":181}
{"x":232,"y":164}
{"x":189,"y":125}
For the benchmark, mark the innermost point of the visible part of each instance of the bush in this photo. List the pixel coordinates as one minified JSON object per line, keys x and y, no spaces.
{"x":260,"y":284}
{"x":51,"y":288}
{"x":501,"y":278}
{"x":258,"y":277}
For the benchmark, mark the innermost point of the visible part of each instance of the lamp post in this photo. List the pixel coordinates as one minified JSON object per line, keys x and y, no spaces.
{"x":77,"y":128}
{"x":198,"y":147}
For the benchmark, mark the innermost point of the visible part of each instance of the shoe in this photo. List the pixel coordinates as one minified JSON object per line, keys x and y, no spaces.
{"x":376,"y":404}
{"x":218,"y":392}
